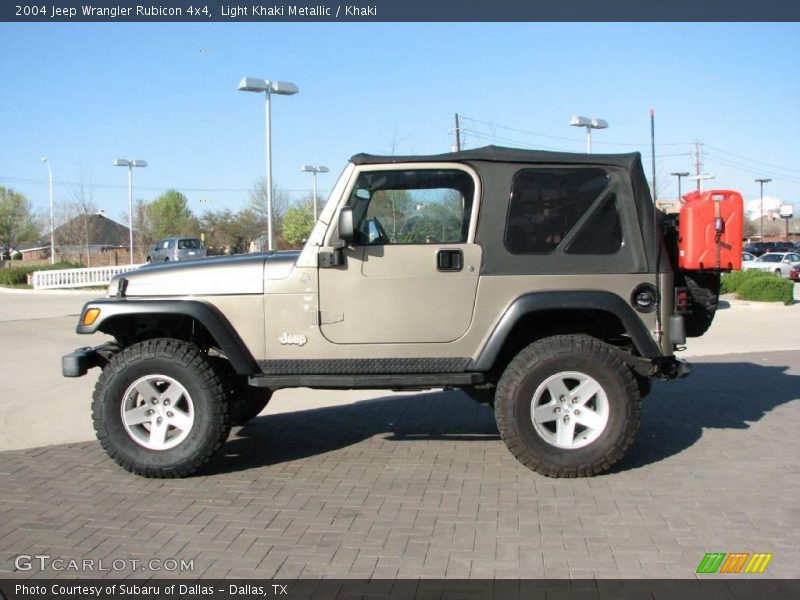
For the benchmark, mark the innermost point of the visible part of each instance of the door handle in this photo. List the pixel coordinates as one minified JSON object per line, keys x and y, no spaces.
{"x":450,"y":259}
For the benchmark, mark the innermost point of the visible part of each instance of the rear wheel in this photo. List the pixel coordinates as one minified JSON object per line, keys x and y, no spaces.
{"x":159,"y":409}
{"x":567,"y":406}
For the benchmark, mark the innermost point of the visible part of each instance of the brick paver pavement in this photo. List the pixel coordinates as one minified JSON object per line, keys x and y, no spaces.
{"x":421,"y":486}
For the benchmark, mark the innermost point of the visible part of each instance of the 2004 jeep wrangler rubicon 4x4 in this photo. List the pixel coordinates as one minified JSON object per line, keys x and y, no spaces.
{"x":543,"y":283}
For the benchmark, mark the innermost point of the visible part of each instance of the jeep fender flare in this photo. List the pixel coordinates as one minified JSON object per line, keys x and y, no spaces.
{"x":572,"y":300}
{"x":209,"y":316}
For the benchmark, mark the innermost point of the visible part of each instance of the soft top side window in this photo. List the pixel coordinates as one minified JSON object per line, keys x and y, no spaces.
{"x":547,"y":203}
{"x":412,"y":206}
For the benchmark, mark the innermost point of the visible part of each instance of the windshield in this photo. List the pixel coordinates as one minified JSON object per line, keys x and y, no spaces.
{"x":771,"y":258}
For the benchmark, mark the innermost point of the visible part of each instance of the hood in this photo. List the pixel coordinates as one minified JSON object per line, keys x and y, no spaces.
{"x":218,"y":275}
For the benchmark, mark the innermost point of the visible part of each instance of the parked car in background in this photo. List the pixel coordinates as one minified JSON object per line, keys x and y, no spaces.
{"x":784,"y":247}
{"x":794,"y":274}
{"x":780,"y":263}
{"x":747,"y":257}
{"x":176,"y":248}
{"x":755,"y":248}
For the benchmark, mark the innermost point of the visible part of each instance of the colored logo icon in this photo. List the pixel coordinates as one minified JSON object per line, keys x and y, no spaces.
{"x":736,"y":562}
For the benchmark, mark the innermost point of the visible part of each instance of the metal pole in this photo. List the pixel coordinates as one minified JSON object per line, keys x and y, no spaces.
{"x":679,"y":187}
{"x":315,"y":194}
{"x":268,"y":132}
{"x":589,"y":139}
{"x":52,"y":220}
{"x":130,"y":208}
{"x":458,"y":135}
{"x":653,"y":149}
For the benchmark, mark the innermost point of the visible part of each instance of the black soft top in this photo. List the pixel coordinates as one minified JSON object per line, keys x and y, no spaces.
{"x":497,"y":166}
{"x":627,"y":161}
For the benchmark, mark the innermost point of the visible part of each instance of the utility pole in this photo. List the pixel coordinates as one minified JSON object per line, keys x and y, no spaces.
{"x":697,"y":164}
{"x":458,"y":135}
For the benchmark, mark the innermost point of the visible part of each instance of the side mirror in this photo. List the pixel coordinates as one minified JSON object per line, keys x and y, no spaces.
{"x":346,"y":231}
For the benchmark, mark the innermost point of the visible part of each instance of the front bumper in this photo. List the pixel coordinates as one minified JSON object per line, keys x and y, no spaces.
{"x":78,"y":363}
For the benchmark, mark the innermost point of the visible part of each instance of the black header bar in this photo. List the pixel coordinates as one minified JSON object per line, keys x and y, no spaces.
{"x":208,"y":11}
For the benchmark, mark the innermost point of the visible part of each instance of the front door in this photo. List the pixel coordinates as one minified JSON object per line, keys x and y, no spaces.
{"x":411,"y":273}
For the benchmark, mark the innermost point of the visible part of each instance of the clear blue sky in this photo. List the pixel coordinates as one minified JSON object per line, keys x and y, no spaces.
{"x":85,"y":94}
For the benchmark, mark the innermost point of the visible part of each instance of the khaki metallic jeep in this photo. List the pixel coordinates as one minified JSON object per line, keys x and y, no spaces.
{"x":542,"y":283}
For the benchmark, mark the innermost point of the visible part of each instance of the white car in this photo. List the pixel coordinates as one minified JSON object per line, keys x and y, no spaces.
{"x":780,"y":263}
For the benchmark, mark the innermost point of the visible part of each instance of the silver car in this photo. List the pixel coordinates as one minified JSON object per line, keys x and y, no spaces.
{"x":176,"y":248}
{"x":780,"y":263}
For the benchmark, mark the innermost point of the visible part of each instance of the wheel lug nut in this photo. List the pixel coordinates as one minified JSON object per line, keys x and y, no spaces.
{"x":170,"y":414}
{"x":577,"y":412}
{"x":566,"y":418}
{"x":150,"y":411}
{"x":153,"y":401}
{"x":158,"y":420}
{"x":574,"y":400}
{"x":562,"y":398}
{"x":556,"y":410}
{"x":166,"y":402}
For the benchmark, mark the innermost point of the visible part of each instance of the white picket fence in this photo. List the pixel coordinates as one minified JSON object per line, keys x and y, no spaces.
{"x":72,"y":278}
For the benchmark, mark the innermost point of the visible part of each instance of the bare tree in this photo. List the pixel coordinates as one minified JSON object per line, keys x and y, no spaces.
{"x":258,"y":206}
{"x":77,"y":225}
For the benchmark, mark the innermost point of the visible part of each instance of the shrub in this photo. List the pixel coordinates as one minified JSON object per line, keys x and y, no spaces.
{"x":19,"y":275}
{"x":731,"y":282}
{"x":766,"y":289}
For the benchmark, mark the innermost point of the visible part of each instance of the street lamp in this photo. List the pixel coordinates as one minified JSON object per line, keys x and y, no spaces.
{"x":762,"y":182}
{"x":700,"y":178}
{"x":578,"y":121}
{"x":314,"y":170}
{"x":679,"y":175}
{"x":283,"y":88}
{"x":52,"y":223}
{"x":123,"y":162}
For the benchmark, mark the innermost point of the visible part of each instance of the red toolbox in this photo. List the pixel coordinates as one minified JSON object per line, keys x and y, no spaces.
{"x":710,"y":231}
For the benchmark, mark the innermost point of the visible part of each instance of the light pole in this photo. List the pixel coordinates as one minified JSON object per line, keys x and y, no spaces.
{"x":314,"y":170}
{"x":52,"y":222}
{"x":700,"y":178}
{"x":761,"y":183}
{"x":123,"y":162}
{"x":283,"y":88}
{"x":679,"y":175}
{"x":578,"y":121}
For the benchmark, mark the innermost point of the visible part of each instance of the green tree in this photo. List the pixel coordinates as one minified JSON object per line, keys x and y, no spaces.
{"x":169,"y":214}
{"x":298,"y":223}
{"x":17,"y":222}
{"x":225,"y":232}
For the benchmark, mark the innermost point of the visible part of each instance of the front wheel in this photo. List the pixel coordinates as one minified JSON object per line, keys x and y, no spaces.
{"x":159,"y":409}
{"x":567,"y":406}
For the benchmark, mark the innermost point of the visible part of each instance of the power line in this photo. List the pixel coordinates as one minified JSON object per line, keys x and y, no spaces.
{"x":66,"y":183}
{"x":753,"y":160}
{"x":749,"y":169}
{"x":569,"y":139}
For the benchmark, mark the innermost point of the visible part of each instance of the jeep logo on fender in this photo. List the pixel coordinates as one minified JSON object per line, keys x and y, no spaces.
{"x":288,"y":339}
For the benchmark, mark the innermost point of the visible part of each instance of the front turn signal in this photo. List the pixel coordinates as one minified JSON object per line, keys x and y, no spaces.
{"x":90,"y":316}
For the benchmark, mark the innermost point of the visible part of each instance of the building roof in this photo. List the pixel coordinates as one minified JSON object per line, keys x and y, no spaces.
{"x":102,"y":231}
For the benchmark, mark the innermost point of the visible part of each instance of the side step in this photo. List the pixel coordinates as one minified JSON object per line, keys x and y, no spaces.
{"x":355,"y":382}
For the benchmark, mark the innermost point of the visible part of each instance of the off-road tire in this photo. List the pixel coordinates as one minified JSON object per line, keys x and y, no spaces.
{"x":245,"y":402}
{"x":703,"y":299}
{"x":550,"y":358}
{"x":182,"y":363}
